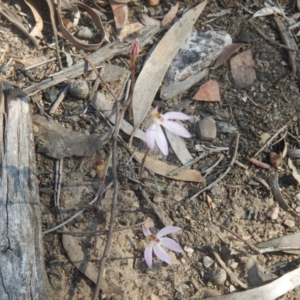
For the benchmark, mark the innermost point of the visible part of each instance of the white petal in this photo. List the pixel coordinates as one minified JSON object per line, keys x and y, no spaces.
{"x":173,"y":115}
{"x":161,"y":254}
{"x":167,"y":230}
{"x":161,"y":141}
{"x":146,"y":230}
{"x":177,"y":129}
{"x":150,"y":136}
{"x":148,"y":254}
{"x":171,"y":244}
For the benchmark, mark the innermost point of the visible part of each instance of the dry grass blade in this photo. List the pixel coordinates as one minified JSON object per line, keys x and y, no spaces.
{"x":156,"y":66}
{"x":37,"y":30}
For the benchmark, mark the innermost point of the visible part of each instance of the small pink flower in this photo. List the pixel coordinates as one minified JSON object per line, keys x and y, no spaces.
{"x":134,"y":51}
{"x":156,"y":243}
{"x":155,"y":134}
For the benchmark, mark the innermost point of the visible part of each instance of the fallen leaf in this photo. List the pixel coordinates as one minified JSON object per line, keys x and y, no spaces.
{"x":28,"y":62}
{"x":295,"y":173}
{"x":269,"y":291}
{"x":163,"y":169}
{"x":81,"y":262}
{"x":226,"y":53}
{"x":209,"y":91}
{"x":267,"y":11}
{"x":148,"y":21}
{"x":179,"y":147}
{"x":281,"y":244}
{"x":264,"y":138}
{"x":39,"y":25}
{"x":171,"y":14}
{"x":58,"y":142}
{"x":120,"y":12}
{"x":129,"y":29}
{"x":242,"y":69}
{"x":156,"y":66}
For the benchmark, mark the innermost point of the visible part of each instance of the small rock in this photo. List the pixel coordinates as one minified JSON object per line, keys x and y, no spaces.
{"x":153,"y":297}
{"x":152,"y":2}
{"x":158,"y":199}
{"x":232,"y":288}
{"x":298,"y":197}
{"x":189,"y":251}
{"x":79,"y":89}
{"x":177,"y":197}
{"x":289,"y":223}
{"x":206,"y":129}
{"x":174,"y":260}
{"x":225,"y":127}
{"x":273,"y":213}
{"x":209,"y":91}
{"x":93,"y":173}
{"x":298,"y":209}
{"x":218,"y":276}
{"x":207,"y":261}
{"x":234,"y":265}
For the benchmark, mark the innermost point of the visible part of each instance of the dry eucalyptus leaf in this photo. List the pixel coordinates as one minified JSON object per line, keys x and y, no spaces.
{"x":171,"y":14}
{"x":80,"y":261}
{"x":226,"y":53}
{"x":275,"y":159}
{"x":163,"y":169}
{"x":39,"y":25}
{"x":281,"y":244}
{"x":148,"y":21}
{"x":155,"y":68}
{"x":120,"y":12}
{"x":129,"y":29}
{"x":267,"y":11}
{"x":269,"y":291}
{"x":56,"y":141}
{"x":179,"y":147}
{"x":295,"y":173}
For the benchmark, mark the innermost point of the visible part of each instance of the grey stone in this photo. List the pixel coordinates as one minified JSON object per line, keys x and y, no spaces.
{"x":79,"y":89}
{"x":197,"y":53}
{"x":207,"y":129}
{"x":218,"y":276}
{"x":207,"y":261}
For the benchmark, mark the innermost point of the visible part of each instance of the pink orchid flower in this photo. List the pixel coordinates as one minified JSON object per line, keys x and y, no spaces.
{"x":157,"y":241}
{"x":155,"y":134}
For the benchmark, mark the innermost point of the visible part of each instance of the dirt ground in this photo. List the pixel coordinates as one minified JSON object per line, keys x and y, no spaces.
{"x":240,"y":200}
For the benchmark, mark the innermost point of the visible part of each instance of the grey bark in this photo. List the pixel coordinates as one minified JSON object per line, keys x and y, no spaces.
{"x":22,"y":274}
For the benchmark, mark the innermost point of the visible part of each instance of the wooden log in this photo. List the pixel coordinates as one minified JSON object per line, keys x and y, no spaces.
{"x":22,"y":273}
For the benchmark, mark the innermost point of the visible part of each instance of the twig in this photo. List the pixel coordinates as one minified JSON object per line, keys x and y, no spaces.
{"x":98,"y":74}
{"x":237,"y":236}
{"x":223,"y":175}
{"x":113,"y":205}
{"x":100,"y":232}
{"x":271,"y":139}
{"x":143,"y":163}
{"x":60,"y":98}
{"x":238,"y":163}
{"x":208,"y":171}
{"x":232,"y":276}
{"x":270,"y":40}
{"x":79,"y":212}
{"x":58,"y":179}
{"x":191,"y":162}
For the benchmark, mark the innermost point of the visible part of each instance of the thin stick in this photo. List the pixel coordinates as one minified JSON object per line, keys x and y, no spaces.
{"x":143,"y":163}
{"x":189,"y":163}
{"x":271,"y":139}
{"x":232,"y":276}
{"x":113,"y":205}
{"x":260,"y":32}
{"x":223,"y":175}
{"x":60,"y":98}
{"x":79,"y":212}
{"x":237,"y":236}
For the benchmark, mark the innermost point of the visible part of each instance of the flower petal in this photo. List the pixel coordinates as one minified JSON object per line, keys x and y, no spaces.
{"x":161,"y":254}
{"x":177,"y":129}
{"x":146,"y":230}
{"x":170,"y":244}
{"x":167,"y":230}
{"x":161,"y":141}
{"x":148,"y":254}
{"x":173,"y":115}
{"x":150,"y":136}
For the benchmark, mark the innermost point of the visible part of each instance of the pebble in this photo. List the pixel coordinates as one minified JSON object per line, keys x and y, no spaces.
{"x":218,"y":276}
{"x":79,"y":89}
{"x":207,"y":261}
{"x":289,"y":223}
{"x":298,"y":197}
{"x":93,"y":173}
{"x":207,"y":129}
{"x":189,"y":251}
